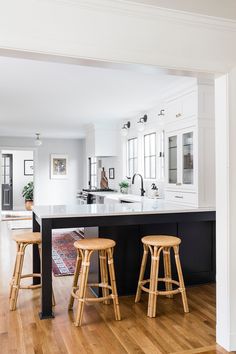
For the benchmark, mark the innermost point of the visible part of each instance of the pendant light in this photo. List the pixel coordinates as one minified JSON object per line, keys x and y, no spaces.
{"x":38,"y":141}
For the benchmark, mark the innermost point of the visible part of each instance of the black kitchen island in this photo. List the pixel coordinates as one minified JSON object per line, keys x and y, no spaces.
{"x":127,"y":224}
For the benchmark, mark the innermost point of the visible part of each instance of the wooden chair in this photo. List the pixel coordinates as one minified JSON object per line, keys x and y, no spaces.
{"x":156,"y":245}
{"x":22,"y":241}
{"x":85,"y":249}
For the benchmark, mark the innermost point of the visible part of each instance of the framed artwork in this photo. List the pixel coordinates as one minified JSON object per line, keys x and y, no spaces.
{"x":59,"y":166}
{"x":111,"y":173}
{"x":28,"y":167}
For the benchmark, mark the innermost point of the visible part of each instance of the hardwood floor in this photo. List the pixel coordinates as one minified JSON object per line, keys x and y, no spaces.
{"x":172,"y":331}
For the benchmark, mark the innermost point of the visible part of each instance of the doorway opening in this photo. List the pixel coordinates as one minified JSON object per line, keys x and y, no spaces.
{"x":16,"y":173}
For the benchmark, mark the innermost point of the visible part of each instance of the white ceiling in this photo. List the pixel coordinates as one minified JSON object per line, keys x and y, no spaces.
{"x":58,"y":100}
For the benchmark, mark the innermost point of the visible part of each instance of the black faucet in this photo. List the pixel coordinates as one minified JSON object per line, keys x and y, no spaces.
{"x":141,"y":177}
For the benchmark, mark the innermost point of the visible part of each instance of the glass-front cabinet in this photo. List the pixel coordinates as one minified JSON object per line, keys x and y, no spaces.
{"x":180,"y":166}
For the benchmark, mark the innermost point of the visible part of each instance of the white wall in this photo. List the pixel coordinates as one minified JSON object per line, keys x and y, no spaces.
{"x":19,"y":180}
{"x":50,"y":191}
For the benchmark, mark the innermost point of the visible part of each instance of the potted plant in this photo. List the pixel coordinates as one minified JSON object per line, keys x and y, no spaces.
{"x":124,"y":185}
{"x":28,"y":194}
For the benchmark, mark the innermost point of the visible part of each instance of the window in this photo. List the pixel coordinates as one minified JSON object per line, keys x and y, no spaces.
{"x":92,"y":172}
{"x":132,"y":156}
{"x":150,"y":156}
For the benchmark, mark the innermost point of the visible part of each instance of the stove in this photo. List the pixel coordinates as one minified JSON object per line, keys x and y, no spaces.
{"x":86,"y":197}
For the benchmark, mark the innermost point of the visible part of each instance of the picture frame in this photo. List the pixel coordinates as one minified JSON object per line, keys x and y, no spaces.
{"x":59,"y":166}
{"x":28,"y":167}
{"x":111,"y":173}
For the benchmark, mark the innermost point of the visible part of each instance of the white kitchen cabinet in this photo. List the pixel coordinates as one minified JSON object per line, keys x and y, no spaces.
{"x":189,"y":147}
{"x":182,"y":107}
{"x":181,"y":159}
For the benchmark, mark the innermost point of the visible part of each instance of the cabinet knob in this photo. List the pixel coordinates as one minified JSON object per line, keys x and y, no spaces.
{"x":178,"y":184}
{"x":179,"y":196}
{"x":178,"y":115}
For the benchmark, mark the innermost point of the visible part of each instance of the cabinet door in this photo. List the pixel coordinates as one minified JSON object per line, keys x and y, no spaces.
{"x":174,"y":110}
{"x":172,"y":172}
{"x":188,"y":158}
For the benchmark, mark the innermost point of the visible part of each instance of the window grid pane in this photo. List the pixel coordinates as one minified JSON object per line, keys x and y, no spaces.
{"x":150,"y":156}
{"x":132,"y":156}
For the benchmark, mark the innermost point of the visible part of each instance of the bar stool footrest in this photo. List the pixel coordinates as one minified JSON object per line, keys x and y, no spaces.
{"x":159,"y":292}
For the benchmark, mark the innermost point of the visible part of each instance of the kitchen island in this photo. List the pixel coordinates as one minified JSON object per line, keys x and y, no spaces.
{"x":126,"y":224}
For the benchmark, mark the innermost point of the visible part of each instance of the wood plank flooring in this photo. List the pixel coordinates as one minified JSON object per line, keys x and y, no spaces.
{"x":172,"y":331}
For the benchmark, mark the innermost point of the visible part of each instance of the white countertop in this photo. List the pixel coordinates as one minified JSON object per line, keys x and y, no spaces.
{"x":158,"y":206}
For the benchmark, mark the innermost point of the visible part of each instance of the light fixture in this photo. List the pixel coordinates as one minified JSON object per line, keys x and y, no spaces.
{"x":37,"y":141}
{"x":161,"y":113}
{"x":124,"y":129}
{"x":141,"y":123}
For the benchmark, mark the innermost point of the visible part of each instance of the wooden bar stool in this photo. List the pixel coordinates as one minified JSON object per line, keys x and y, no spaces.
{"x":22,"y":241}
{"x":156,"y":245}
{"x":85,"y":248}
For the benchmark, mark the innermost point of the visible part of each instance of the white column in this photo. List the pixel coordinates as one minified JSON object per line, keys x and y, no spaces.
{"x":226,"y":209}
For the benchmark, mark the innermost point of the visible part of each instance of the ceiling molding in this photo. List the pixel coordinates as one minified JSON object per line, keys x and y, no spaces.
{"x":139,"y":10}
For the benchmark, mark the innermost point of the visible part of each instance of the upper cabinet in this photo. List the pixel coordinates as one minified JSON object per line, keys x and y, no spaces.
{"x":101,"y":141}
{"x":182,"y":107}
{"x":189,"y":147}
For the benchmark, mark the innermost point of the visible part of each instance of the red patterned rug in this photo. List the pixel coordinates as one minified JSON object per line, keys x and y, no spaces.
{"x":63,"y":251}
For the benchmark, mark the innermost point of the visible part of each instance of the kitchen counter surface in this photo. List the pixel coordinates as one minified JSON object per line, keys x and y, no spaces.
{"x":147,"y":206}
{"x":121,"y":196}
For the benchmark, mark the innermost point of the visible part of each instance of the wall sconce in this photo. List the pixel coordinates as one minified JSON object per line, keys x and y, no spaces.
{"x":161,"y":113}
{"x":124,"y":129}
{"x":141,"y":123}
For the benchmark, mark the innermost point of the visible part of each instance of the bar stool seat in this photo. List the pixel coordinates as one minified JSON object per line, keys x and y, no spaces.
{"x":161,"y":241}
{"x":158,"y":244}
{"x":85,"y":249}
{"x":27,"y":237}
{"x":23,"y":239}
{"x":94,"y":244}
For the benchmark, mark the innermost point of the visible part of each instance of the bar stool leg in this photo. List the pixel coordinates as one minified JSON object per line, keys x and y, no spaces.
{"x":181,"y":279}
{"x":76,"y":277}
{"x":142,"y":271}
{"x":14,"y":271}
{"x":104,"y":274}
{"x":17,"y":277}
{"x":152,"y":298}
{"x":167,"y":270}
{"x":113,"y":284}
{"x":83,"y":283}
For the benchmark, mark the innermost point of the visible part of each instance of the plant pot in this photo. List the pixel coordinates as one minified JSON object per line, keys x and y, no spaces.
{"x":124,"y":190}
{"x":29,"y":204}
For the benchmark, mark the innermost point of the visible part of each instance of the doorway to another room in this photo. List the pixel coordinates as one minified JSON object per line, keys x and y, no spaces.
{"x":16,"y":173}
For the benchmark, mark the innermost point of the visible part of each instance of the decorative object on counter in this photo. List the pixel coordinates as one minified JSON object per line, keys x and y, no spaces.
{"x":37,"y":141}
{"x":141,"y":123}
{"x":28,"y":194}
{"x":111,"y":173}
{"x":124,"y":129}
{"x":104,"y":180}
{"x":28,"y":167}
{"x":158,"y":244}
{"x":124,"y":185}
{"x":154,"y":191}
{"x":59,"y":166}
